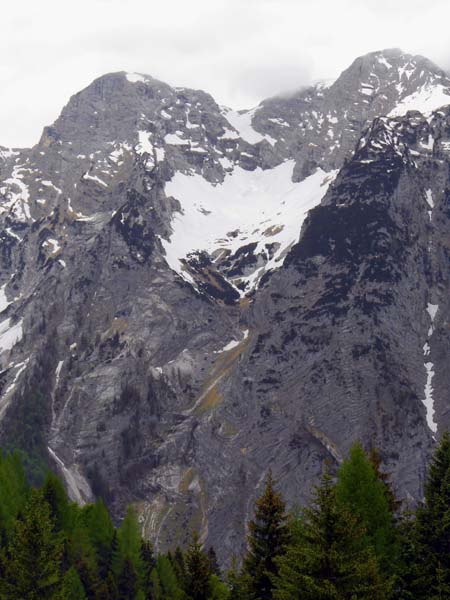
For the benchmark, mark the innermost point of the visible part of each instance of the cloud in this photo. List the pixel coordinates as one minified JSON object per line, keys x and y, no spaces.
{"x":238,"y":50}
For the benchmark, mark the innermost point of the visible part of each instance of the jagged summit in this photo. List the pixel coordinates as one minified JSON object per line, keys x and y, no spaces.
{"x":191,"y":294}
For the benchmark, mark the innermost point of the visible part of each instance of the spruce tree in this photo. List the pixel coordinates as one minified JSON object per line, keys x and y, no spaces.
{"x":198,"y":571}
{"x":359,"y":489}
{"x":329,"y":559}
{"x":72,"y":588}
{"x":33,"y":569}
{"x":433,"y":529}
{"x":267,"y":541}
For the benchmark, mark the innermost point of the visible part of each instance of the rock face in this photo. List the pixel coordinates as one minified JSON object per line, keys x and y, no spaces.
{"x":191,"y":295}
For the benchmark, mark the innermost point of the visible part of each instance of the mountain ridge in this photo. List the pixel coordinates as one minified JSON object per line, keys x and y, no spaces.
{"x":190,"y":295}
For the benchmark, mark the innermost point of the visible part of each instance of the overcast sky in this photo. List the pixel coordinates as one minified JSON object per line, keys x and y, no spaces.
{"x":241,"y":51}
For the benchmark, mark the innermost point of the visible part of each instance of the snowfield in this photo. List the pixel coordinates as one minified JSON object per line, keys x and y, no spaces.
{"x":249,"y":206}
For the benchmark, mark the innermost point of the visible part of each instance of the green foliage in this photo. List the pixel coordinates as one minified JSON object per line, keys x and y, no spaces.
{"x":432,"y":534}
{"x":13,"y":491}
{"x":127,"y":581}
{"x":364,"y":495}
{"x":350,"y":543}
{"x":166,"y":586}
{"x":198,"y":569}
{"x":62,"y":512}
{"x":218,"y":590}
{"x":100,"y":529}
{"x":329,"y":558}
{"x":267,"y":541}
{"x":72,"y":588}
{"x":129,"y":543}
{"x":32,"y":571}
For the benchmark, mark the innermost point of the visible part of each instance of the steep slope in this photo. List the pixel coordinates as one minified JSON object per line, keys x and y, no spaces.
{"x":190,"y":295}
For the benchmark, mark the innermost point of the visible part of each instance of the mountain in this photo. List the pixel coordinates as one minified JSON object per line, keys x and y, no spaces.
{"x":192,"y":295}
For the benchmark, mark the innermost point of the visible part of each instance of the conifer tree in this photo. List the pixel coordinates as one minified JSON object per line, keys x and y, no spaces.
{"x":359,"y":489}
{"x":148,"y":563}
{"x":127,"y":583}
{"x":72,"y":588}
{"x":155,"y":587}
{"x":56,"y":497}
{"x":236,"y":583}
{"x":433,"y":529}
{"x":166,"y":584}
{"x":129,"y":543}
{"x":82,"y":555}
{"x":329,"y":560}
{"x":100,"y":528}
{"x":13,"y":491}
{"x":375,"y":460}
{"x":267,"y":541}
{"x":198,"y":571}
{"x":32,"y":571}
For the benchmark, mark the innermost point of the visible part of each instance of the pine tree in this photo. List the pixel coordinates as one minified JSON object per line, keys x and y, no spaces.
{"x":267,"y":541}
{"x":433,"y":529}
{"x":329,"y":560}
{"x":198,"y":570}
{"x":33,"y":569}
{"x":359,"y":489}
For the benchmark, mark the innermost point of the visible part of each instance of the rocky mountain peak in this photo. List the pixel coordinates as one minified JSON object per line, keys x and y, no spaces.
{"x":191,"y":294}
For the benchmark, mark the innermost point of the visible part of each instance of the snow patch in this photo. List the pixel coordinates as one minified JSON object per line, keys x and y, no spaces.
{"x":428,"y":401}
{"x":4,"y":303}
{"x":136,"y":78}
{"x":430,"y":202}
{"x":88,"y":176}
{"x":233,"y":343}
{"x":10,"y":334}
{"x":144,"y":144}
{"x":17,"y":194}
{"x":425,"y":100}
{"x":174,"y":139}
{"x":262,"y":206}
{"x":242,"y":122}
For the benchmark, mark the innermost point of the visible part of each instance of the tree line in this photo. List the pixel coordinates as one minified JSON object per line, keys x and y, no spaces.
{"x":353,"y":541}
